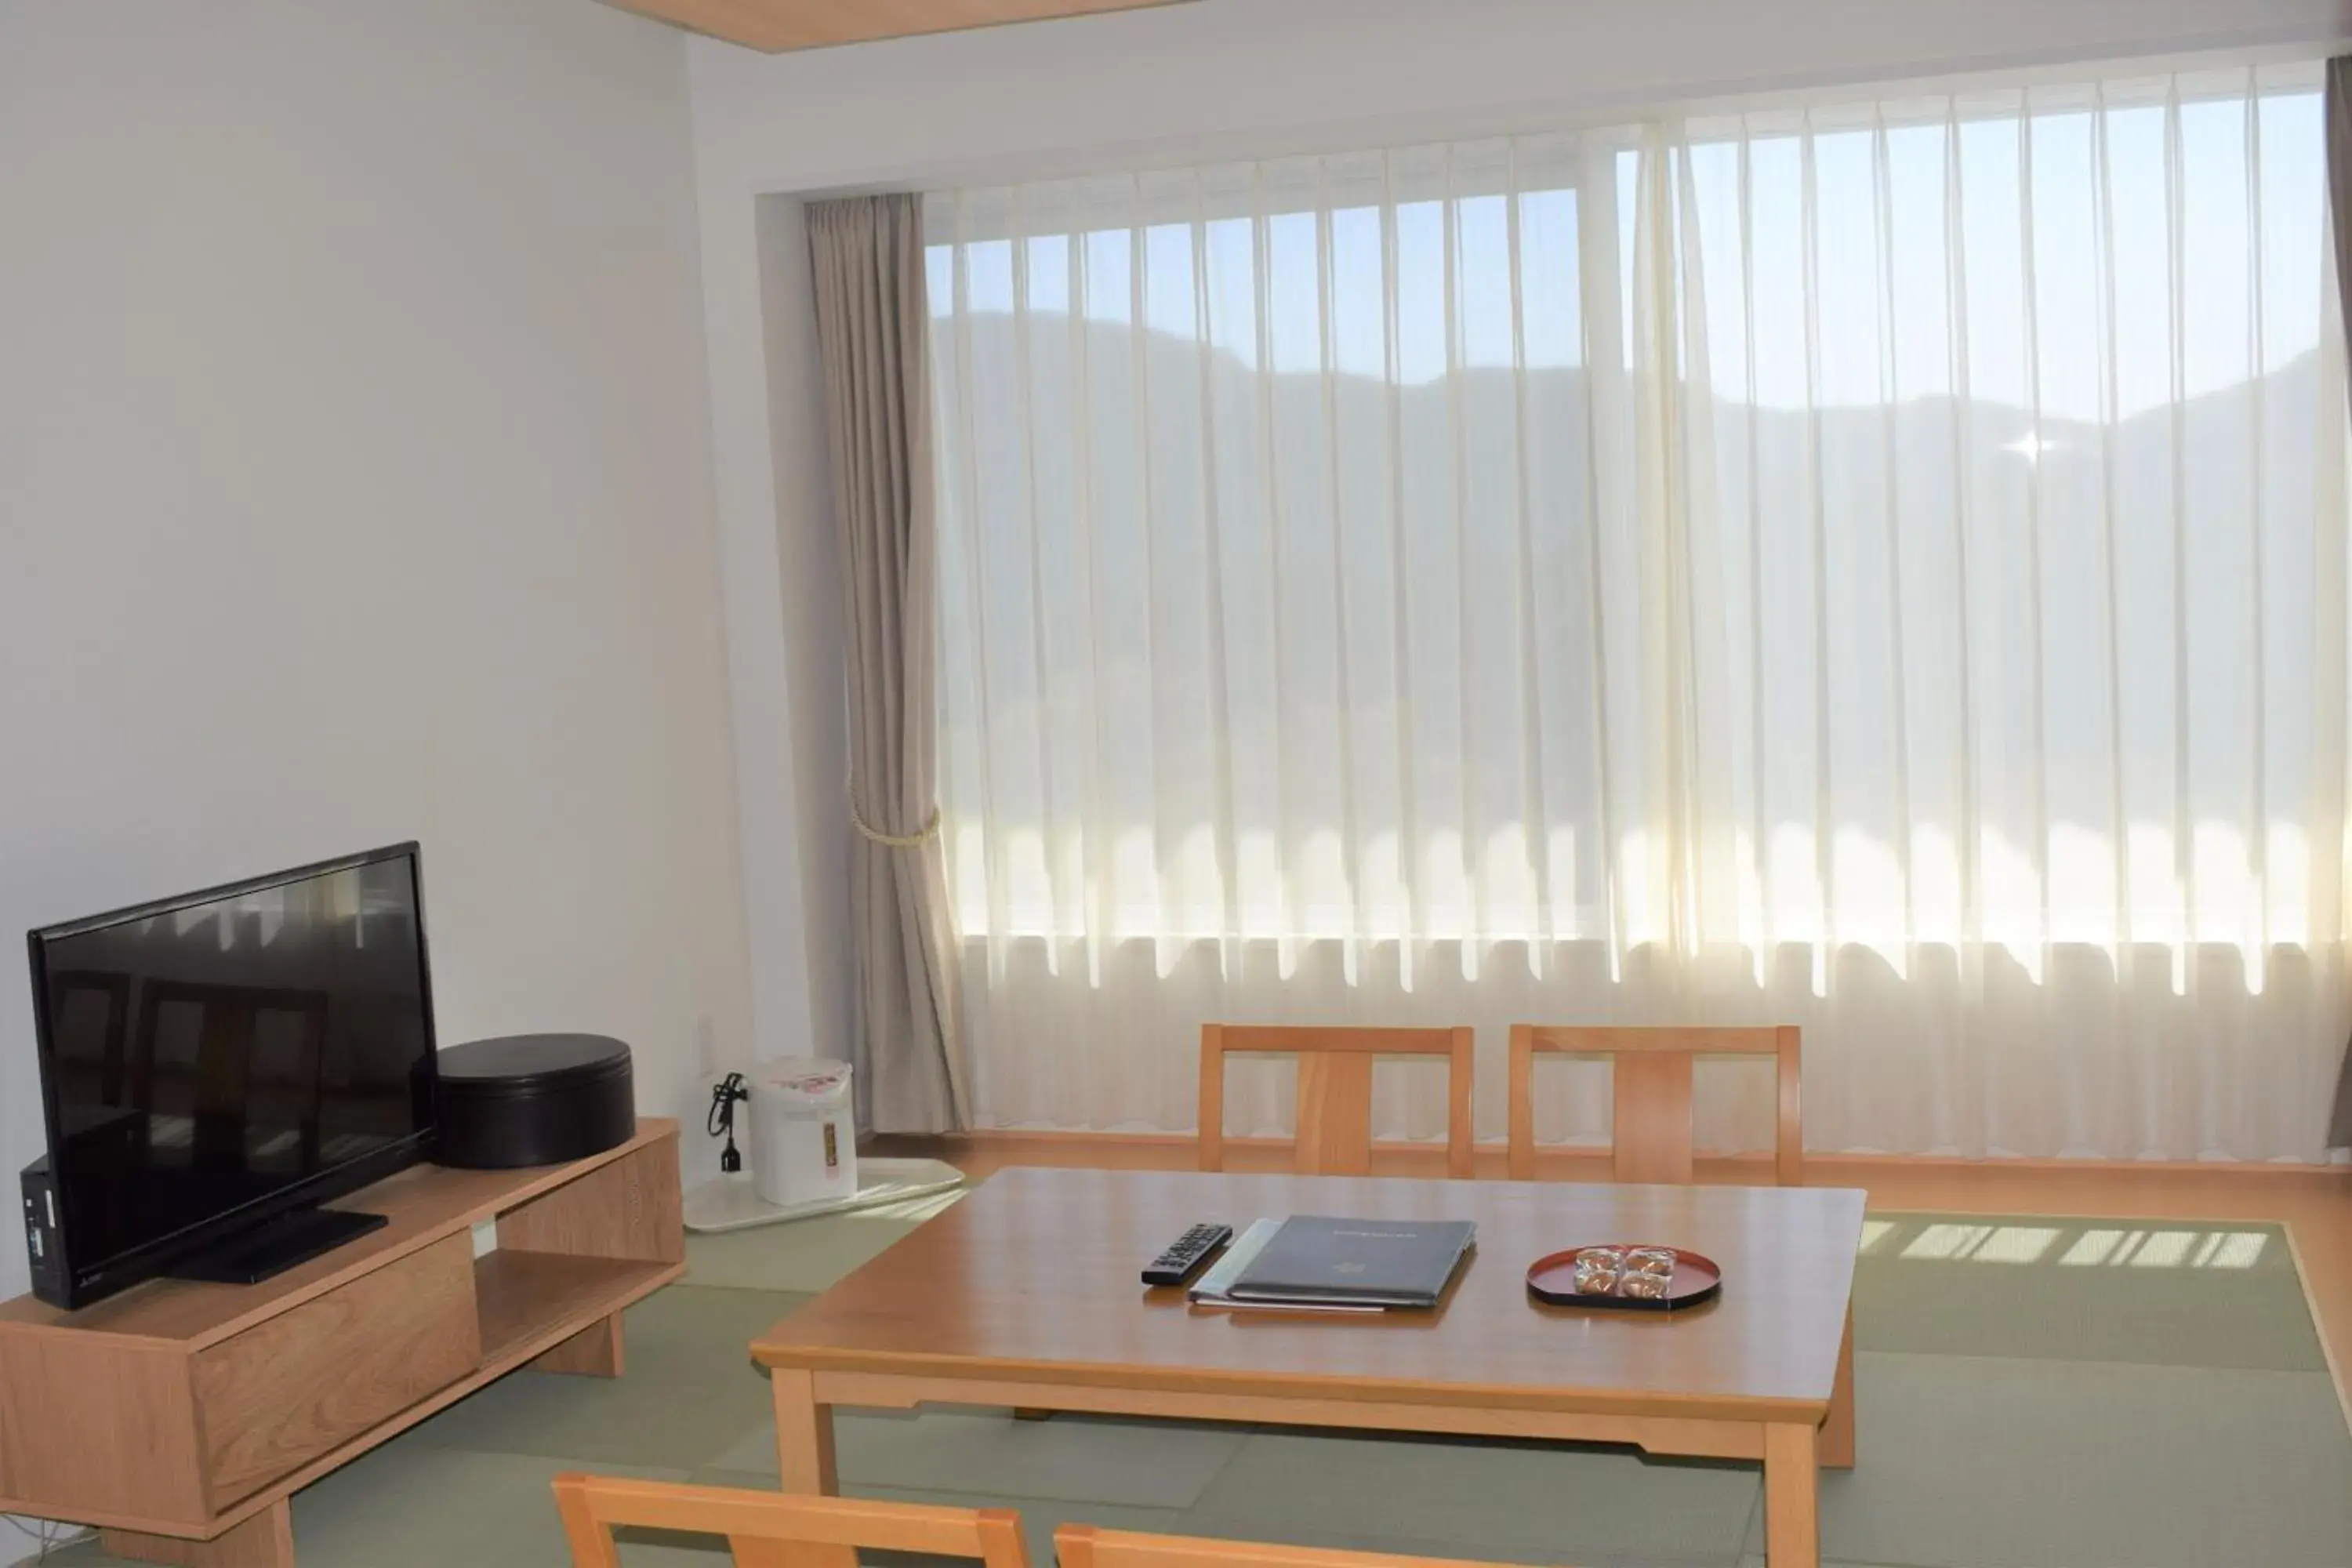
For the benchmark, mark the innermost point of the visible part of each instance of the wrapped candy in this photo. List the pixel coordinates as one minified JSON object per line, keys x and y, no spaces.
{"x":1598,"y":1270}
{"x":1642,"y":1276}
{"x":1652,"y":1260}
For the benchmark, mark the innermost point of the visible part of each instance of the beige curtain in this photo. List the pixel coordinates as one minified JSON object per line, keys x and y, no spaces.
{"x":2339,"y":205}
{"x":867,"y":259}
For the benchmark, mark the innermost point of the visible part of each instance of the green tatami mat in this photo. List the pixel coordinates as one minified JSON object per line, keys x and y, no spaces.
{"x":1526,"y":1502}
{"x":407,"y":1504}
{"x":2032,"y":1394}
{"x":2076,"y":1289}
{"x":1985,"y":1462}
{"x":1072,"y":1458}
{"x":690,"y":1391}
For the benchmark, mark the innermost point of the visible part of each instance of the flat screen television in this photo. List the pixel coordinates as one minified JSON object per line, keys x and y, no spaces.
{"x":215,"y":1066}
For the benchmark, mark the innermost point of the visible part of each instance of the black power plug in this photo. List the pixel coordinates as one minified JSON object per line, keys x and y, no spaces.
{"x":721,"y":1123}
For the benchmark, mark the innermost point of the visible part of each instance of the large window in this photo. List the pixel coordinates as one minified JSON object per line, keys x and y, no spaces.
{"x":1879,"y":567}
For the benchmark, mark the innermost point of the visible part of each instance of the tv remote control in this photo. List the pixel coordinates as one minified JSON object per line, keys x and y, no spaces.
{"x":1187,"y":1253}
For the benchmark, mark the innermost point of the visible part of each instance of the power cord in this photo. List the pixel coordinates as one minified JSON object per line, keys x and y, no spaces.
{"x":722,"y":1122}
{"x":49,"y":1533}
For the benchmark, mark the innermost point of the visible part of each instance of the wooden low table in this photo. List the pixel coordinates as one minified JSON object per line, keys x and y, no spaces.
{"x":1025,"y":1294}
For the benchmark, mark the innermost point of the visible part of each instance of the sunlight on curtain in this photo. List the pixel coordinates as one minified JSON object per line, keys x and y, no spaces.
{"x":1879,"y":568}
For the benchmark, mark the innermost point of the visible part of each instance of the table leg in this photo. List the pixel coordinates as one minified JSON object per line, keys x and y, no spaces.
{"x":1837,"y":1426}
{"x":803,"y":1434}
{"x":1793,"y":1531}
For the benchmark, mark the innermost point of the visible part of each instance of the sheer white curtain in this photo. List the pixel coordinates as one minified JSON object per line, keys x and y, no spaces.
{"x":1880,"y":568}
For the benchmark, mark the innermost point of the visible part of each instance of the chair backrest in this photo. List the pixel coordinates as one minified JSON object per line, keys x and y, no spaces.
{"x":771,"y":1529}
{"x":1335,"y":1090}
{"x":1652,"y":1069}
{"x":1089,"y":1546}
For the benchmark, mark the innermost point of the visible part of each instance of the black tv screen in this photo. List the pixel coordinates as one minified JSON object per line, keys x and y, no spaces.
{"x":210,"y":1060}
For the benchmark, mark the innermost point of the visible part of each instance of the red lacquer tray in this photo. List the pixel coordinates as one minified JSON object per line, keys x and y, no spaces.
{"x":1698,"y":1278}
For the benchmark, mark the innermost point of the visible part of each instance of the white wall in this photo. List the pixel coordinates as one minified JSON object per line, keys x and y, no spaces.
{"x":354,"y":487}
{"x":1175,"y":84}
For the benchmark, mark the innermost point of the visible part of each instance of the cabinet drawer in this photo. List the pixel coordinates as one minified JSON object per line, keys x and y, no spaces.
{"x":281,"y":1393}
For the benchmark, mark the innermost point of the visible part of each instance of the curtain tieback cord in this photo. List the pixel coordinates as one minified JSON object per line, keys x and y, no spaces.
{"x":873,"y":834}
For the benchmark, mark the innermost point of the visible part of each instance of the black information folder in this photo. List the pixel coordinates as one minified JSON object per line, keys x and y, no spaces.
{"x":1359,"y":1262}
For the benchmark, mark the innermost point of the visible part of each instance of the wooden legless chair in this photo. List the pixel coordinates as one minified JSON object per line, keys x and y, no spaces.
{"x":1653,"y":1069}
{"x":1653,"y":1129}
{"x":771,"y":1529}
{"x":1335,"y":1090}
{"x":1089,"y":1546}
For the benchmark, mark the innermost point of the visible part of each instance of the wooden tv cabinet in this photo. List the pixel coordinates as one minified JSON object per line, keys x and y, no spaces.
{"x":180,"y":1417}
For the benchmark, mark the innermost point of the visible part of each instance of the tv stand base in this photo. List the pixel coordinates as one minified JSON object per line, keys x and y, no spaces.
{"x":265,"y":1541}
{"x":271,"y":1248}
{"x":180,"y":1417}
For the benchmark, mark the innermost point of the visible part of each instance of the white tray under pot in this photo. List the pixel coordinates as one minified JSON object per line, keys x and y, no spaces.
{"x":732,"y":1203}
